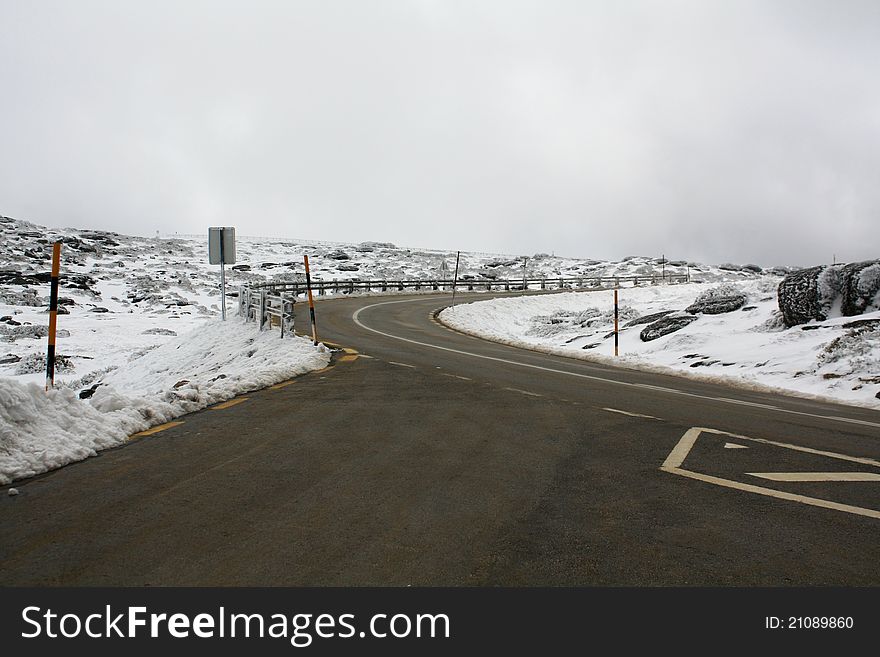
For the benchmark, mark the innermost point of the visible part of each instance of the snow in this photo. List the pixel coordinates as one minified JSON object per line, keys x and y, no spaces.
{"x":142,"y":317}
{"x":154,"y":288}
{"x":214,"y":362}
{"x":748,"y":348}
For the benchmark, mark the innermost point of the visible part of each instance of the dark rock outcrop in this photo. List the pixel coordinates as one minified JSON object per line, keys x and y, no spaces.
{"x":718,"y":305}
{"x":665,"y":326}
{"x":647,"y":319}
{"x":798,"y":296}
{"x":809,"y":294}
{"x":860,"y":282}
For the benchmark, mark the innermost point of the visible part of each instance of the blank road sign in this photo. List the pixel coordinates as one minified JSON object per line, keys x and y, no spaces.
{"x":221,"y":245}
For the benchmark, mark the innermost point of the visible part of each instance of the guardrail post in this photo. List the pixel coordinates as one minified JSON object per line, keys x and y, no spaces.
{"x":286,"y":316}
{"x":543,"y":283}
{"x":262,"y":308}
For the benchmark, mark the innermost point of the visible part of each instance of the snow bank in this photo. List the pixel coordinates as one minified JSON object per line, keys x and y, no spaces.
{"x":751,"y":347}
{"x":42,"y":430}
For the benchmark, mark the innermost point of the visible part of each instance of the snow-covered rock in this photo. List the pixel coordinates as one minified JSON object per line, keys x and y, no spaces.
{"x":830,"y":290}
{"x":722,"y":299}
{"x":665,"y":326}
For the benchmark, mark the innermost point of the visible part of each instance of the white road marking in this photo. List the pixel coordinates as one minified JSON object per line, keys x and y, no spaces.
{"x":817,"y":476}
{"x":617,"y":410}
{"x":734,"y":446}
{"x":356,"y":319}
{"x":747,"y":403}
{"x":525,"y":392}
{"x":392,"y":362}
{"x":846,"y":419}
{"x":456,"y":376}
{"x":676,"y":457}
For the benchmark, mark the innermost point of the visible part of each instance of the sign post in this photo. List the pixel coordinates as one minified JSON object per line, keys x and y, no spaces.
{"x":221,"y":250}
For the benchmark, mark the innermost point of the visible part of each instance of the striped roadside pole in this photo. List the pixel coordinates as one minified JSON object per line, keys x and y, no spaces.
{"x":455,"y":277}
{"x":53,"y":315}
{"x":615,"y":322}
{"x":311,"y":301}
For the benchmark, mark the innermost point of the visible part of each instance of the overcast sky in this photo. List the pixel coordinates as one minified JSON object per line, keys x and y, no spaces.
{"x":716,"y":131}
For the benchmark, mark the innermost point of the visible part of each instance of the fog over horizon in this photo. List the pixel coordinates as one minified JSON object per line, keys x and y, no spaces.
{"x":717,"y":131}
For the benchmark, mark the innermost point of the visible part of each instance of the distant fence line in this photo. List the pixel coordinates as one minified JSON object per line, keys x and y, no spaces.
{"x":271,"y":303}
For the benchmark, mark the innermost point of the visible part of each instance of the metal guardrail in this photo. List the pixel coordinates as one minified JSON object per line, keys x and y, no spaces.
{"x":271,"y":304}
{"x":267,"y":308}
{"x":296,"y":288}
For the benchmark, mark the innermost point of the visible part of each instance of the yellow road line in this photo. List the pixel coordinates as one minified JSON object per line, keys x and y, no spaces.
{"x":284,"y":384}
{"x":227,"y":404}
{"x":156,"y":429}
{"x":348,"y":358}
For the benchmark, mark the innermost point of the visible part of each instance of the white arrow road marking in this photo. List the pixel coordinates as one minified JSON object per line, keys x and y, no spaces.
{"x":679,"y":453}
{"x":817,"y":476}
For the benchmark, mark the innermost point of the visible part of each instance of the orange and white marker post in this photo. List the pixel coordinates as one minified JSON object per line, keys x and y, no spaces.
{"x":311,"y":301}
{"x":53,"y":315}
{"x":615,"y":322}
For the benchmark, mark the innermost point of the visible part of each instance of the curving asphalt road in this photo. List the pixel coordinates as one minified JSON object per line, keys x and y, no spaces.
{"x":434,"y":458}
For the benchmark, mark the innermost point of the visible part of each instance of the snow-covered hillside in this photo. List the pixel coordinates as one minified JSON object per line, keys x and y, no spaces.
{"x":139,"y":340}
{"x":838,"y":358}
{"x":125,"y":296}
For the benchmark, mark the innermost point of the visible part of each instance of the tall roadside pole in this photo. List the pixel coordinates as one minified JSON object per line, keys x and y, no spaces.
{"x":221,"y":250}
{"x":53,"y":315}
{"x":616,"y":330}
{"x":311,"y":301}
{"x":455,"y":277}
